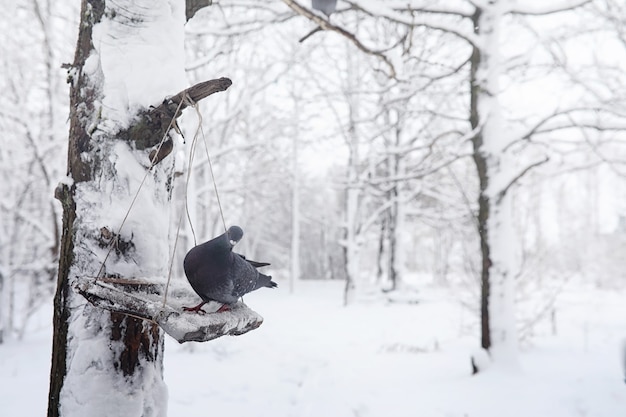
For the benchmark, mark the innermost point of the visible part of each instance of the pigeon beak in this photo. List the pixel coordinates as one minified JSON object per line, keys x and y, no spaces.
{"x":233,"y":242}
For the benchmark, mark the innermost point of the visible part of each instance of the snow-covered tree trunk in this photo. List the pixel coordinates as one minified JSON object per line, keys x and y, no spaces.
{"x":494,"y":165}
{"x":352,"y":228}
{"x":2,"y":315}
{"x":351,"y":251}
{"x":351,"y":234}
{"x":295,"y":215}
{"x":396,"y":216}
{"x":391,"y":229}
{"x":351,"y":241}
{"x":129,"y":57}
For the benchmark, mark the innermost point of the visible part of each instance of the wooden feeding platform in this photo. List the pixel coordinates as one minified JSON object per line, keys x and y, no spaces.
{"x":143,"y":298}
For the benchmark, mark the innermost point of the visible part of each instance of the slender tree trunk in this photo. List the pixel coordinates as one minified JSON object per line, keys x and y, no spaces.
{"x":43,"y":14}
{"x":380,"y":255}
{"x":351,"y":236}
{"x":392,"y":233}
{"x":1,"y":310}
{"x":483,"y":198}
{"x":353,"y":192}
{"x":295,"y":204}
{"x":396,"y":219}
{"x":498,"y":333}
{"x":351,"y":247}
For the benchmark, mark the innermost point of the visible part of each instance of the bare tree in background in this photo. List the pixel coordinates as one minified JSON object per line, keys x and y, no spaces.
{"x":31,"y":116}
{"x":477,"y":30}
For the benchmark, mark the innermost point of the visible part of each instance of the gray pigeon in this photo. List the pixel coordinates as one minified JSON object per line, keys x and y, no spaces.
{"x":325,"y":6}
{"x":216,"y":273}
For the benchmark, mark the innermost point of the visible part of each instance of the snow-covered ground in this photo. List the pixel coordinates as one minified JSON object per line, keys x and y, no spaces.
{"x":313,"y":357}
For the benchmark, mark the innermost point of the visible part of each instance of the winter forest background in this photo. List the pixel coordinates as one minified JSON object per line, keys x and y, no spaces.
{"x":350,"y":160}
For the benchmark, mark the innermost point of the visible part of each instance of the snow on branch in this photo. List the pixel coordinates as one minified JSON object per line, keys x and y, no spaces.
{"x":326,"y":25}
{"x":548,"y":7}
{"x":152,"y":126}
{"x":517,"y":177}
{"x":461,"y":10}
{"x":143,"y":298}
{"x":575,"y":117}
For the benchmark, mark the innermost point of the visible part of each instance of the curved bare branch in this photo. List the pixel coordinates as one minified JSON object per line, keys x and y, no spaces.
{"x":326,"y":25}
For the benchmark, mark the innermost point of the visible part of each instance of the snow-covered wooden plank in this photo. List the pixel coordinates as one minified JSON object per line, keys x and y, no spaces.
{"x":143,"y":298}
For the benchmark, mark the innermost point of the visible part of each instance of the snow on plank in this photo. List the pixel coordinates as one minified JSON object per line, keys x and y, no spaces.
{"x":143,"y":298}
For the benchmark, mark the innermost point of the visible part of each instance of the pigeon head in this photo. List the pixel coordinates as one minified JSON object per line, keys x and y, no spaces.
{"x":235,"y":233}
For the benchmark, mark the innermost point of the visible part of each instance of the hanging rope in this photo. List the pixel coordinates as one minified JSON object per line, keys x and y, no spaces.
{"x":217,"y":194}
{"x":192,"y":152}
{"x":169,"y":273}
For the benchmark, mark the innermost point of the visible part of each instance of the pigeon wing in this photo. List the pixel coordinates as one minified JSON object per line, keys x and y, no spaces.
{"x":254,"y":263}
{"x":244,"y":277}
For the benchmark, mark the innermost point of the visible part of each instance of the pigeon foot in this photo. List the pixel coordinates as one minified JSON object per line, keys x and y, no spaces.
{"x":224,"y":307}
{"x":197,"y":309}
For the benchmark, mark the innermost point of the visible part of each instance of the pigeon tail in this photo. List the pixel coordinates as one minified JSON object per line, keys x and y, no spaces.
{"x":265,"y":281}
{"x":258,"y":264}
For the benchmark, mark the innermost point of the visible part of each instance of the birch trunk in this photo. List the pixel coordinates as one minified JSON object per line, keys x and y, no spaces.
{"x":353,"y":192}
{"x":295,"y":218}
{"x":109,"y":364}
{"x":351,"y":244}
{"x":493,"y":163}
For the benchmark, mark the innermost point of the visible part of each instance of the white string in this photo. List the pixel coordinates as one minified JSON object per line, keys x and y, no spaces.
{"x":169,"y":273}
{"x":217,"y":194}
{"x":192,"y":152}
{"x":192,"y":155}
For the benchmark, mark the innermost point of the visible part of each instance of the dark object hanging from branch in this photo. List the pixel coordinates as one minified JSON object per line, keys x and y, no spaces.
{"x":325,"y":6}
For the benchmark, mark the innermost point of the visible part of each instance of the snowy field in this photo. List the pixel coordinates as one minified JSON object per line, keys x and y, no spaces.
{"x":313,"y":357}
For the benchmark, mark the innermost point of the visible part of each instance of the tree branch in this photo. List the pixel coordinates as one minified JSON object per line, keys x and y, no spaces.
{"x":152,"y":125}
{"x":412,"y":21}
{"x":549,"y":8}
{"x":544,"y":125}
{"x":198,"y":92}
{"x":405,"y":6}
{"x":326,"y":25}
{"x":502,"y":193}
